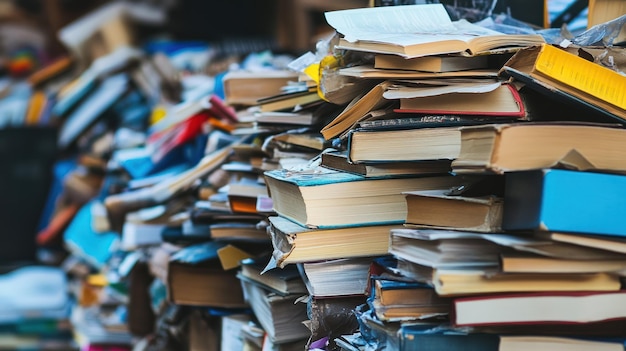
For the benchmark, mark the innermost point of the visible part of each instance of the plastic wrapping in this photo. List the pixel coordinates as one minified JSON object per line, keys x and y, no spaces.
{"x":603,"y":34}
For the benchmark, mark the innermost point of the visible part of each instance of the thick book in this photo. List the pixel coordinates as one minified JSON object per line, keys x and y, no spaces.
{"x":339,"y":161}
{"x":415,"y":144}
{"x":565,"y":201}
{"x":440,"y":63}
{"x":324,"y":198}
{"x":472,"y":281}
{"x":426,"y":338}
{"x":526,"y":263}
{"x":395,"y":301}
{"x":294,"y":243}
{"x":503,"y":101}
{"x":539,"y":308}
{"x":336,"y":277}
{"x":280,"y":316}
{"x":438,"y":209}
{"x":246,"y":87}
{"x":566,"y":76}
{"x":195,"y":277}
{"x":283,"y":281}
{"x":365,"y":30}
{"x":511,"y":147}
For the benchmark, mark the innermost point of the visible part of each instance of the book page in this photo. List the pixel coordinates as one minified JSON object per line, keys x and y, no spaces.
{"x":370,"y":23}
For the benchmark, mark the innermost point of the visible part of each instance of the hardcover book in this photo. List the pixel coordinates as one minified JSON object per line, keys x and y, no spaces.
{"x":565,"y":201}
{"x":511,"y":147}
{"x":326,"y":198}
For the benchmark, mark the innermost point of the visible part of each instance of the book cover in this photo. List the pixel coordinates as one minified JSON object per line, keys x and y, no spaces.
{"x":421,"y":338}
{"x":565,"y":201}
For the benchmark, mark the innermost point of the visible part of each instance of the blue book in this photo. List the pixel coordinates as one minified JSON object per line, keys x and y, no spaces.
{"x":323,"y":198}
{"x":426,"y":338}
{"x":84,"y":241}
{"x":565,"y":201}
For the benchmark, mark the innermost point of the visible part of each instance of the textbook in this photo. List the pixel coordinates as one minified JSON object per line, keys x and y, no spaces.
{"x":565,"y":201}
{"x":325,"y":199}
{"x":419,"y":30}
{"x":511,"y":147}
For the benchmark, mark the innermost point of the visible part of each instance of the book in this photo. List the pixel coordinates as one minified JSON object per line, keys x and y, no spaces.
{"x":543,"y":200}
{"x":395,"y":301}
{"x":246,"y":87}
{"x":355,"y":110}
{"x":441,"y":63}
{"x":289,"y":101}
{"x":472,"y":281}
{"x":195,"y":277}
{"x":602,"y":242}
{"x":554,"y":343}
{"x":520,"y":263}
{"x":335,"y":277}
{"x":294,"y":243}
{"x":339,"y":161}
{"x":280,"y":316}
{"x":569,"y":77}
{"x":283,"y":281}
{"x":428,"y":338}
{"x":503,"y":101}
{"x":539,"y":308}
{"x":439,"y":209}
{"x":516,"y":147}
{"x":440,"y":249}
{"x":32,"y":293}
{"x":244,"y":197}
{"x":415,"y":144}
{"x":365,"y":30}
{"x":94,"y":106}
{"x":367,"y":71}
{"x":328,"y":198}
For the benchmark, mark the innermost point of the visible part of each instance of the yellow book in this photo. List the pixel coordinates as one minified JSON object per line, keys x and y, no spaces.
{"x":565,"y":75}
{"x":36,"y":106}
{"x":583,"y":75}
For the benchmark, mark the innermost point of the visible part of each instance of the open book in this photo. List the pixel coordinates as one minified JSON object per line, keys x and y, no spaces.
{"x":419,"y":30}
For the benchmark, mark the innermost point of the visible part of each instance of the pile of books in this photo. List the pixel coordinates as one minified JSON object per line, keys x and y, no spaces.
{"x":404,"y":190}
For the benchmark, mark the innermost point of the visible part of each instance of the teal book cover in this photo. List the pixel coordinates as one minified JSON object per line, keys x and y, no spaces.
{"x":314,"y":177}
{"x":565,"y":201}
{"x":84,"y":241}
